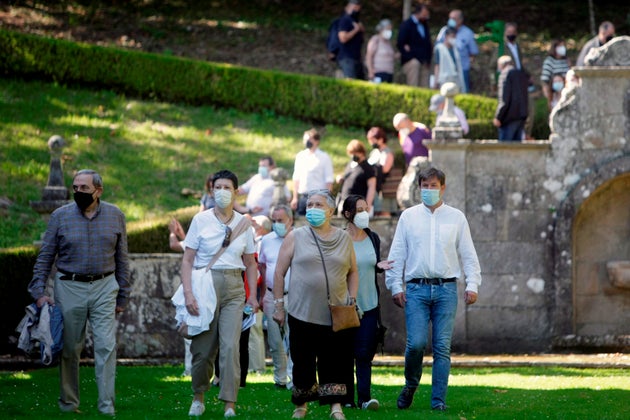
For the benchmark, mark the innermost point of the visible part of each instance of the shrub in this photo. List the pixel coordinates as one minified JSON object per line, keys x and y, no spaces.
{"x":175,"y":79}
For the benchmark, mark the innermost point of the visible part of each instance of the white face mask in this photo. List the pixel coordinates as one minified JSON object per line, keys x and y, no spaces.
{"x":222,"y":198}
{"x":361,"y":220}
{"x":387,"y":34}
{"x":561,"y":50}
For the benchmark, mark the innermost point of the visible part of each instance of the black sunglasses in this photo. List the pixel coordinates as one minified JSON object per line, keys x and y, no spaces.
{"x":228,"y":234}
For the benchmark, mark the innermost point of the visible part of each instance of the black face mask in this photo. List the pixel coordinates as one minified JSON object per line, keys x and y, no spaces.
{"x":608,"y":38}
{"x":355,"y":16}
{"x":83,"y":199}
{"x":355,"y":158}
{"x":309,"y":144}
{"x":375,"y":146}
{"x":511,"y":38}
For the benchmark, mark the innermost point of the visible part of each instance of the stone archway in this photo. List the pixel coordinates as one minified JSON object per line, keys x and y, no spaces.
{"x":601,"y":232}
{"x":592,"y":227}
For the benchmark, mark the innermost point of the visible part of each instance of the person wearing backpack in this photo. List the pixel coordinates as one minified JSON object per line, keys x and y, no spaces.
{"x":350,"y":34}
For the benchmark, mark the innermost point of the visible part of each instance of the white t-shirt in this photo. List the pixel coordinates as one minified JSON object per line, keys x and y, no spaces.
{"x":268,"y":255}
{"x":312,"y":170}
{"x":206,"y":235}
{"x":260,"y":193}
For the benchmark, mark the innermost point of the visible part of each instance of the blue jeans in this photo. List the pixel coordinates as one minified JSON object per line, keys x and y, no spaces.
{"x":364,"y":350}
{"x":512,"y":131}
{"x":351,"y":68}
{"x":466,"y":81}
{"x":437,"y":304}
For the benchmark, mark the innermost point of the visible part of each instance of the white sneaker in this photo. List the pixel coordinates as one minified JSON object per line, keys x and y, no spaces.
{"x":371,"y":405}
{"x":196,"y":409}
{"x":229,"y":413}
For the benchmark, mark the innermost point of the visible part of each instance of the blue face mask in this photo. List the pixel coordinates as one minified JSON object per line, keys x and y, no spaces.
{"x":280,"y":229}
{"x":430,"y":197}
{"x":315,"y":217}
{"x":451,"y":23}
{"x":557,"y":86}
{"x":263,"y":171}
{"x":222,"y":198}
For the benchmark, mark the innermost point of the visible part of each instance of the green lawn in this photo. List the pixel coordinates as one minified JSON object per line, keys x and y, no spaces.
{"x":474,"y":393}
{"x":146,"y":151}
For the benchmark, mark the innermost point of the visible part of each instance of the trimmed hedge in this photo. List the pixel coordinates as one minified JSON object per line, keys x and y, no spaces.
{"x":175,"y":79}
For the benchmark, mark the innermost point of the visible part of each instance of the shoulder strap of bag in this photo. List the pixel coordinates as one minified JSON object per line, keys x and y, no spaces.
{"x":240,"y":228}
{"x":323,"y":263}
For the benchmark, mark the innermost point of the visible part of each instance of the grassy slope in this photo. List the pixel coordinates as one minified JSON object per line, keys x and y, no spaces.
{"x":147,"y":152}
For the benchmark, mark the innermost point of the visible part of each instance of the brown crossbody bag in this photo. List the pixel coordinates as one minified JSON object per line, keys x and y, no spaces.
{"x":343,"y":316}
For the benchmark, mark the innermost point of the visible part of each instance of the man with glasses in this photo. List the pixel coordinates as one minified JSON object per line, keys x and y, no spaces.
{"x":87,"y":241}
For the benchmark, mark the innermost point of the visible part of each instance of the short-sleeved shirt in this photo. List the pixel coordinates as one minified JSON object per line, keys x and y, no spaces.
{"x":413,"y":144}
{"x":268,"y":255}
{"x":313,"y":170}
{"x":355,"y":179}
{"x":206,"y":235}
{"x":552,"y":66}
{"x":260,"y":193}
{"x":352,"y":48}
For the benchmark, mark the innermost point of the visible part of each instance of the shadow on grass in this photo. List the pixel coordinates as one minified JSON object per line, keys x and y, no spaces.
{"x":161,"y":393}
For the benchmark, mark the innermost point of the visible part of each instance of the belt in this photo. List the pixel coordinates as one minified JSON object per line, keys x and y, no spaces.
{"x":85,"y":278}
{"x":271,"y":290}
{"x":220,"y":270}
{"x":432,"y":281}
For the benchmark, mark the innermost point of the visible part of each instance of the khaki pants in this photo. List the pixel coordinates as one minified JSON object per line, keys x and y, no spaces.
{"x":257,"y":345}
{"x":79,"y":302}
{"x":416,"y":73}
{"x":224,"y":333}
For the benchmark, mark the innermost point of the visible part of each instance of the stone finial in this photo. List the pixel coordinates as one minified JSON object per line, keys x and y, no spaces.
{"x":55,"y":193}
{"x":280,"y":177}
{"x":448,"y":127}
{"x":56,"y":145}
{"x":615,"y":52}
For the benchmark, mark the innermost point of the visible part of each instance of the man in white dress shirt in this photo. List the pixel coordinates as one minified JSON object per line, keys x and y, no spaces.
{"x":430,"y":239}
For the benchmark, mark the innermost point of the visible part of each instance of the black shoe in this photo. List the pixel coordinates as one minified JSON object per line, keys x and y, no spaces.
{"x":441,"y":407}
{"x":280,"y":386}
{"x":405,"y":398}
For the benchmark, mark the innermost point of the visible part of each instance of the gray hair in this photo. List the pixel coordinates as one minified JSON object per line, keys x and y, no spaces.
{"x":284,"y":207}
{"x":96,"y":178}
{"x":383,"y":24}
{"x":330,"y":200}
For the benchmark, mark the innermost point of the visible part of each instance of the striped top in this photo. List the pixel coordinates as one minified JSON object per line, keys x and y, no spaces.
{"x":552,"y":66}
